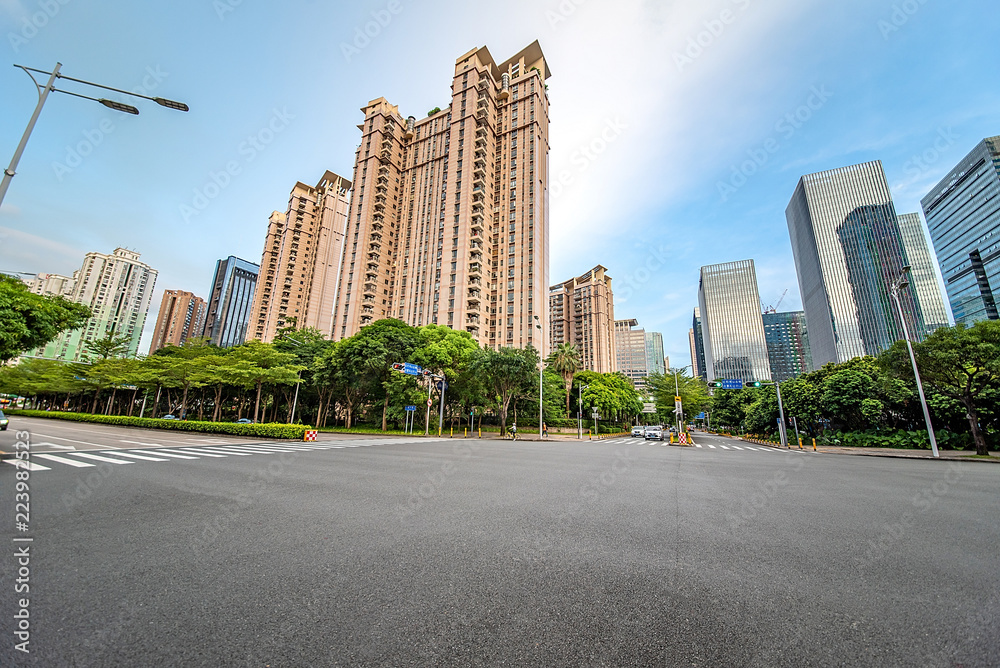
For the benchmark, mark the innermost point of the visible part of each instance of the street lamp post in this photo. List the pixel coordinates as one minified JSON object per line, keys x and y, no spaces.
{"x":541,"y":369}
{"x":896,"y":286}
{"x":43,"y":94}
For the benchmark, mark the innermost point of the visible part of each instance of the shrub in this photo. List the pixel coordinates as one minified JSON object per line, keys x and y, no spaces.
{"x":270,"y":430}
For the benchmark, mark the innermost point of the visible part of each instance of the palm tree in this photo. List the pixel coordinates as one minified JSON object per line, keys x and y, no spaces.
{"x":565,"y":360}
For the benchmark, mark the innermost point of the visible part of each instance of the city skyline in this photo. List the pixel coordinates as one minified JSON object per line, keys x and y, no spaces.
{"x":138,"y":173}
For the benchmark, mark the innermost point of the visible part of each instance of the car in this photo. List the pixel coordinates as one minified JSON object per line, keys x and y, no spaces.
{"x":170,"y":417}
{"x":244,"y":421}
{"x":654,"y":434}
{"x":3,"y":421}
{"x":638,"y":431}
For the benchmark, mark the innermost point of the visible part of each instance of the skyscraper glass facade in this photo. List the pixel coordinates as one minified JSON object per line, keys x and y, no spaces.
{"x":732,"y":329}
{"x":230,"y":302}
{"x":963,"y":216}
{"x":698,"y":352}
{"x":848,"y":250}
{"x":923,"y":274}
{"x":787,"y":344}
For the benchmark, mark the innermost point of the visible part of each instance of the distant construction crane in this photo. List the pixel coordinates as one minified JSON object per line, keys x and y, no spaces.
{"x":774,"y":309}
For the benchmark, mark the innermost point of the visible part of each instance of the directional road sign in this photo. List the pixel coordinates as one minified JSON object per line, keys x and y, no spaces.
{"x":411,"y":369}
{"x":731,"y":384}
{"x":649,"y":408}
{"x":411,"y":408}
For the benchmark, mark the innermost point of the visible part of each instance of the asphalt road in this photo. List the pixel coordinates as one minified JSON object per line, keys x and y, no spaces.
{"x":405,"y":552}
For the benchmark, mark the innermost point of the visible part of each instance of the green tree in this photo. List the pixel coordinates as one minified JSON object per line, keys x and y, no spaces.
{"x":959,"y":362}
{"x":107,"y":347}
{"x":254,"y":363}
{"x":565,"y":361}
{"x":504,"y":373}
{"x":29,"y":321}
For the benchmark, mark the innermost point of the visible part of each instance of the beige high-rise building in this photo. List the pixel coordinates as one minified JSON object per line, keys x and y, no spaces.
{"x":54,"y":285}
{"x":582,"y":313}
{"x":181,"y":317}
{"x":630,"y":350}
{"x":118,"y":289}
{"x":299,"y":268}
{"x":449,"y":218}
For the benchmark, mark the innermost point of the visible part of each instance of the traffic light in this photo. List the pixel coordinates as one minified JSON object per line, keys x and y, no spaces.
{"x":715,"y":383}
{"x":427,"y":372}
{"x":756,"y":383}
{"x":397,"y":366}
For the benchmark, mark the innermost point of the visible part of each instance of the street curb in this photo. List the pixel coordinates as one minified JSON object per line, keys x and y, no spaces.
{"x":887,"y":455}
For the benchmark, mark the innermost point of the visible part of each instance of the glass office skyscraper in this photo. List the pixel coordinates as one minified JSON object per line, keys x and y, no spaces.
{"x":923,"y":276}
{"x":787,"y":344}
{"x":732,"y":328}
{"x":230,"y":301}
{"x":963,"y":215}
{"x":697,"y":346}
{"x":848,"y":249}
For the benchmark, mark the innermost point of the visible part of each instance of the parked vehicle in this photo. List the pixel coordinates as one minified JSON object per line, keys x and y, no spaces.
{"x":3,"y":421}
{"x":170,"y":417}
{"x":244,"y":421}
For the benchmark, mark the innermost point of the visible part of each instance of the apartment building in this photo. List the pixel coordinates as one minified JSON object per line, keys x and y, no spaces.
{"x":582,"y":313}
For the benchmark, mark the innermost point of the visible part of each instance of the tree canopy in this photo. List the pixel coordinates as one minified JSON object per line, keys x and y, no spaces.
{"x":29,"y":321}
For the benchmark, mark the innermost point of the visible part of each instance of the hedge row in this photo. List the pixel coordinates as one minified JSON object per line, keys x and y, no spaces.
{"x":284,"y":431}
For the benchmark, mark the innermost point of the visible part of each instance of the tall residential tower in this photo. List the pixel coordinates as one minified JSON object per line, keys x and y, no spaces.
{"x":181,"y":317}
{"x":297,"y":283}
{"x":582,"y":313}
{"x":449,"y":219}
{"x":230,"y":301}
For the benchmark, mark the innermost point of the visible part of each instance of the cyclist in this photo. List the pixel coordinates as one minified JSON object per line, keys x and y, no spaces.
{"x":513,"y":431}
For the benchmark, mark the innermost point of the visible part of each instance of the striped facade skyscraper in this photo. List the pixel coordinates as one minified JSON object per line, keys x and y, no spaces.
{"x":732,"y":328}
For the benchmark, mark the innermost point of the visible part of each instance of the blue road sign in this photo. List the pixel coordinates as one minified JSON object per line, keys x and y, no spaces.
{"x":412,"y":369}
{"x":730,"y":384}
{"x":700,"y":416}
{"x":439,"y":383}
{"x":411,"y":408}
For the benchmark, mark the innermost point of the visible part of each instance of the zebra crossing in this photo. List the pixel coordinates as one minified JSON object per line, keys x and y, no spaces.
{"x":703,"y":445}
{"x":205,"y":449}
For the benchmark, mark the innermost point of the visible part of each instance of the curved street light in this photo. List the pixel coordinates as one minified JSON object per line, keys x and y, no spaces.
{"x":43,"y":94}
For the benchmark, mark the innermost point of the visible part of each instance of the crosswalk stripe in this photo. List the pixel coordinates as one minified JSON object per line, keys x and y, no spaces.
{"x":172,"y":455}
{"x":697,"y":445}
{"x":204,"y":453}
{"x":135,"y":456}
{"x":99,"y":458}
{"x":723,"y":447}
{"x":711,"y":446}
{"x":249,"y":449}
{"x":736,"y":447}
{"x":53,"y":445}
{"x":155,"y":445}
{"x":63,"y":460}
{"x":24,"y":464}
{"x":221,"y":451}
{"x":265,"y":448}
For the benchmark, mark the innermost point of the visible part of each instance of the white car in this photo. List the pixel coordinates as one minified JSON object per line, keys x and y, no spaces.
{"x":639,"y":431}
{"x":654,"y":433}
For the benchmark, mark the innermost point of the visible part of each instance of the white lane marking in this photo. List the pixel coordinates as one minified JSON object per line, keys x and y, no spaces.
{"x":124,"y":453}
{"x":736,"y":447}
{"x":53,"y":445}
{"x":262,"y":448}
{"x":723,"y":447}
{"x":152,"y":445}
{"x":99,"y":458}
{"x":204,"y":453}
{"x":243,"y":449}
{"x":31,"y":466}
{"x":747,"y":447}
{"x":697,"y":445}
{"x":60,"y":438}
{"x":63,"y":460}
{"x":711,"y":446}
{"x":167,"y":453}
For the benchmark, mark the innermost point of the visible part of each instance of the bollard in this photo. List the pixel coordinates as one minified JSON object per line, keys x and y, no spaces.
{"x":800,"y":442}
{"x":452,"y":433}
{"x":465,"y":433}
{"x":590,"y":436}
{"x":814,"y":445}
{"x":480,"y":432}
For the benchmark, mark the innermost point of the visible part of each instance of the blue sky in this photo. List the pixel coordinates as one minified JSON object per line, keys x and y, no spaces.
{"x":653,"y":107}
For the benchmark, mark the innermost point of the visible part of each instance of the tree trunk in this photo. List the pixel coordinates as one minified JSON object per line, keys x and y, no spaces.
{"x":217,"y":413}
{"x":977,"y":433}
{"x":156,"y":401}
{"x":184,"y":401}
{"x":569,"y":389}
{"x":131,"y":406}
{"x":256,"y":407}
{"x":93,"y":406}
{"x":385,"y":410}
{"x":201,"y":406}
